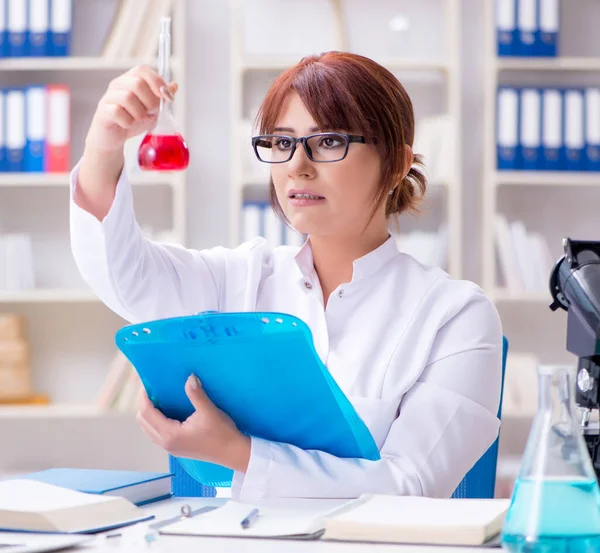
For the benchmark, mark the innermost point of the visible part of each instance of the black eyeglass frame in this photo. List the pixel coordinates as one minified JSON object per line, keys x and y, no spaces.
{"x":350,"y":138}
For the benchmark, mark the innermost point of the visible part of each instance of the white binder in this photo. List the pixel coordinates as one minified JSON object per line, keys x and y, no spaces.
{"x":273,"y":227}
{"x":574,"y":135}
{"x":507,"y":127}
{"x":552,"y":129}
{"x":506,"y":26}
{"x":592,"y":129}
{"x":549,"y":27}
{"x":527,"y":23}
{"x":531,"y":117}
{"x":251,"y":221}
{"x":15,"y":129}
{"x":39,"y":25}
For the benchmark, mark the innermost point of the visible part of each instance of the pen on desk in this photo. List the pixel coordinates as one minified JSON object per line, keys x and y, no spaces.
{"x":252,"y":516}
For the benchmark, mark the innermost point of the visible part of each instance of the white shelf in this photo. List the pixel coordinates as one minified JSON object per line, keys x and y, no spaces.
{"x":49,"y":296}
{"x":76,"y":63}
{"x":549,"y":64}
{"x":500,"y":295}
{"x":62,"y":179}
{"x":547,"y":178}
{"x":54,"y":411}
{"x":269,"y":62}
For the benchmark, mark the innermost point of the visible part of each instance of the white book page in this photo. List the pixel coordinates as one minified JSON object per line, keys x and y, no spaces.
{"x":423,"y":512}
{"x":29,"y":496}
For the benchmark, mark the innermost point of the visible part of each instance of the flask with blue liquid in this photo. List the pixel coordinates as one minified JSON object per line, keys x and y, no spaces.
{"x":555,"y":505}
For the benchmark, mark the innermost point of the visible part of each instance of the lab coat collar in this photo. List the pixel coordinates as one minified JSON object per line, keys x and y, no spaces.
{"x":363,"y":267}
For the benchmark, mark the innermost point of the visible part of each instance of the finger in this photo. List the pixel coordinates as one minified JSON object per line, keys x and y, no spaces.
{"x":154,"y":80}
{"x":118,"y":115}
{"x":163,"y":425}
{"x":197,"y":395}
{"x":143,"y":400}
{"x":129,"y":101}
{"x":166,"y":93}
{"x":149,"y":430}
{"x":141,"y":89}
{"x":173,"y":88}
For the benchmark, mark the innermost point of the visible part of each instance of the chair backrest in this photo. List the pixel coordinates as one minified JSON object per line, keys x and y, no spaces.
{"x":480,"y":481}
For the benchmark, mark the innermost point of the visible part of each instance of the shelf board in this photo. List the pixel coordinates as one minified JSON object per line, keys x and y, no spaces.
{"x":508,"y":296}
{"x":547,"y":178}
{"x":55,"y":411}
{"x":269,"y":62}
{"x":564,"y":63}
{"x":49,"y":295}
{"x":62,"y":179}
{"x":75,"y":63}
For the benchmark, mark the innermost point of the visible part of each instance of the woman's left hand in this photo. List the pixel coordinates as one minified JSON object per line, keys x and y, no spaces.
{"x":208,"y":434}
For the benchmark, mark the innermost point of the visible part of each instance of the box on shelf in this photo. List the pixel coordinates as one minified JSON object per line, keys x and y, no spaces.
{"x":15,"y":373}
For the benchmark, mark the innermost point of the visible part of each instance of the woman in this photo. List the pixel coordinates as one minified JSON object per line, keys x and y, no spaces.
{"x":417,"y":353}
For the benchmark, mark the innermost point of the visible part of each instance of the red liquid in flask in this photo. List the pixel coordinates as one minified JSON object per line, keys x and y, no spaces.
{"x":163,"y":152}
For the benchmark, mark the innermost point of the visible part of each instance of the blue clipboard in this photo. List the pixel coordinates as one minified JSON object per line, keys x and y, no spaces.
{"x":260,"y":368}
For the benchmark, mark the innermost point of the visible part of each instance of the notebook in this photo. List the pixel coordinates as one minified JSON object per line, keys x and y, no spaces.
{"x":138,"y":487}
{"x":38,"y":543}
{"x":32,"y":506}
{"x":370,"y":518}
{"x":260,"y":368}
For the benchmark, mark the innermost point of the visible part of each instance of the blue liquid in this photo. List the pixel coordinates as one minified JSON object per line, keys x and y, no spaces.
{"x":553,"y":516}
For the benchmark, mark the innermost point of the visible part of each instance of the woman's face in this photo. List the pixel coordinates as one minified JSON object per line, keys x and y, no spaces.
{"x":345,"y":188}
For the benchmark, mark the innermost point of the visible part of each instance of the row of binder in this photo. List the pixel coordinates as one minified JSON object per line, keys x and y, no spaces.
{"x":549,"y":129}
{"x":35,"y":129}
{"x":527,"y":27}
{"x":35,"y":28}
{"x":259,"y":219}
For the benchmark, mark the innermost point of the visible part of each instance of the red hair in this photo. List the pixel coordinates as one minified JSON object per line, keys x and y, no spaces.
{"x":344,"y":91}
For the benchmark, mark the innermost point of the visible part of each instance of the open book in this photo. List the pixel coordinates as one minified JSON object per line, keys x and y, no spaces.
{"x":370,"y":518}
{"x":30,"y":506}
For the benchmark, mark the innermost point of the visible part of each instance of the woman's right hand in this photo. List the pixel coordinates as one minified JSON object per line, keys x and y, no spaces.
{"x":128,"y":107}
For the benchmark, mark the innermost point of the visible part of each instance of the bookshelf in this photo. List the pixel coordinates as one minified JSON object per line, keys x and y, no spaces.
{"x":78,"y":63}
{"x":430,"y":81}
{"x":70,"y":332}
{"x":555,"y":191}
{"x":552,"y":203}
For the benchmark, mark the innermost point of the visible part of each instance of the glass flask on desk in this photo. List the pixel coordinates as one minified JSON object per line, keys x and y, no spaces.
{"x":555,"y":505}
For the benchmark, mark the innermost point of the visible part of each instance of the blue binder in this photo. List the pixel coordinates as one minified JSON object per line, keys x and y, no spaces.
{"x":507,"y":37}
{"x":260,"y":368}
{"x":3,"y":28}
{"x":38,"y":14}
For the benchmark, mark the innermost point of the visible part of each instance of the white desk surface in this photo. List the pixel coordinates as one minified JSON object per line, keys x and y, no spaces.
{"x":132,"y":538}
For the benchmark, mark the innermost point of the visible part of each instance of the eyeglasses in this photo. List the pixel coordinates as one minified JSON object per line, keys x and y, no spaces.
{"x":324,"y":147}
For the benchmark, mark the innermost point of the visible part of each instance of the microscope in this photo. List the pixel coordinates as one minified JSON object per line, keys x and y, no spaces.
{"x":575,"y":287}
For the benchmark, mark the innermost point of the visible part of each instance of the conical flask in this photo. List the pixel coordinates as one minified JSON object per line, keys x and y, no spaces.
{"x":555,"y":505}
{"x":163,"y":148}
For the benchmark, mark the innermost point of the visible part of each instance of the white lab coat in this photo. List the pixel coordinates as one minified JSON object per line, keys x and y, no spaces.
{"x":417,"y":353}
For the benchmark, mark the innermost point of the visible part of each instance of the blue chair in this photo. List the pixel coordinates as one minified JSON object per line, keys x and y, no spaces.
{"x":480,"y":481}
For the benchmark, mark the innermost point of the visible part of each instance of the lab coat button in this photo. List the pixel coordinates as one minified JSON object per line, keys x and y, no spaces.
{"x":341,"y":293}
{"x":308,"y":285}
